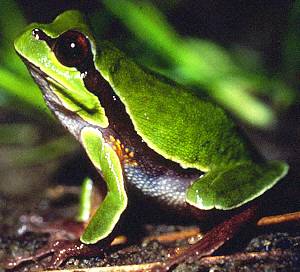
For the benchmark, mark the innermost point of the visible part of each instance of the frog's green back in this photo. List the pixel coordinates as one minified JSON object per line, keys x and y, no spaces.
{"x":172,"y":120}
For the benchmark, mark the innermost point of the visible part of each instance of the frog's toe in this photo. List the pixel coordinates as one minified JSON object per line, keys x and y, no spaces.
{"x":61,"y":250}
{"x":64,"y":249}
{"x":213,"y":239}
{"x":60,"y":229}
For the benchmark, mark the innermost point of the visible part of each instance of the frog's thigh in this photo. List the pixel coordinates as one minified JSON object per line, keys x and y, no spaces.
{"x":105,"y":160}
{"x":229,"y":187}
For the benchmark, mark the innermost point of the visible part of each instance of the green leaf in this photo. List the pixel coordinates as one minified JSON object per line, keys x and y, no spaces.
{"x":84,"y":211}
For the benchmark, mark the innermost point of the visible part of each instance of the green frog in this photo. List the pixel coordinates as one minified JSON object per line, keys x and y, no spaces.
{"x":143,"y":132}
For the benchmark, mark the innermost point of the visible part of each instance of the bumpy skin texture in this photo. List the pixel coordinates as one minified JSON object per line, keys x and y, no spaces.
{"x":172,"y":120}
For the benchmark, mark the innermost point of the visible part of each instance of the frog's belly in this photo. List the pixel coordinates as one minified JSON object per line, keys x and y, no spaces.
{"x":165,"y":186}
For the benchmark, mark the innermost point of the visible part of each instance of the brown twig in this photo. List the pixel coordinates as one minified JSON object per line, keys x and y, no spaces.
{"x":122,"y":268}
{"x":262,"y":222}
{"x":247,"y":257}
{"x":174,"y":235}
{"x":279,"y":219}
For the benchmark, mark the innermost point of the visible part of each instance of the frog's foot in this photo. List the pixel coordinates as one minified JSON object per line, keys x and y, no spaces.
{"x":212,"y":241}
{"x":60,"y":250}
{"x":60,"y":229}
{"x":62,"y":243}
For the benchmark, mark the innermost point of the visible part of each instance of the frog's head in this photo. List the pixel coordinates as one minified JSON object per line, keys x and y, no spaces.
{"x":57,"y":55}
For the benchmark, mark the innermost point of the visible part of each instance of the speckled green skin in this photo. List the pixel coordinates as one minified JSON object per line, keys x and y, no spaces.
{"x":172,"y":120}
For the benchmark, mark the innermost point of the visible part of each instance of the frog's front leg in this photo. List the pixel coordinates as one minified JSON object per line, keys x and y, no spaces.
{"x":64,"y":240}
{"x":60,"y":250}
{"x":64,"y":233}
{"x":100,"y":231}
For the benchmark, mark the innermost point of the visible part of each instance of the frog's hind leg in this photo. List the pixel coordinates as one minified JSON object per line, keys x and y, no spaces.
{"x":227,"y":189}
{"x":213,"y":239}
{"x":232,"y":186}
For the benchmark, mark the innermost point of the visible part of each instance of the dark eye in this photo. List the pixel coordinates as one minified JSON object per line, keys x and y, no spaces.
{"x":71,"y":48}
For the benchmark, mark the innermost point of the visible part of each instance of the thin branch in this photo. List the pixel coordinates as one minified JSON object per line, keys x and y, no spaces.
{"x":122,"y":268}
{"x":247,"y":257}
{"x":279,"y":219}
{"x":174,"y":235}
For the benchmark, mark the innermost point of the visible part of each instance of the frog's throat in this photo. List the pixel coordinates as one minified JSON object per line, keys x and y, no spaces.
{"x":69,"y":119}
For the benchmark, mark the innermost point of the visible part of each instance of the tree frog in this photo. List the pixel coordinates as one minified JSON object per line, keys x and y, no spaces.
{"x":144,"y":132}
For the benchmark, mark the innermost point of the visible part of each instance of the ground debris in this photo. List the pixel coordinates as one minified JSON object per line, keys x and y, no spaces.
{"x":267,"y":250}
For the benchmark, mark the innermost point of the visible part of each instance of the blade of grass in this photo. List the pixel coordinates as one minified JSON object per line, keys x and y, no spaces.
{"x":21,"y":89}
{"x":146,"y":23}
{"x":11,"y":23}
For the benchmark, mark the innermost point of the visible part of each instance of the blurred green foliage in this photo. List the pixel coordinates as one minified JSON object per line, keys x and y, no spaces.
{"x":16,"y":87}
{"x":291,"y":48}
{"x":206,"y":65}
{"x":234,"y":78}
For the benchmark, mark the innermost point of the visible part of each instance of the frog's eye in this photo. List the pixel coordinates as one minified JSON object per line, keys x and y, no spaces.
{"x":71,"y":48}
